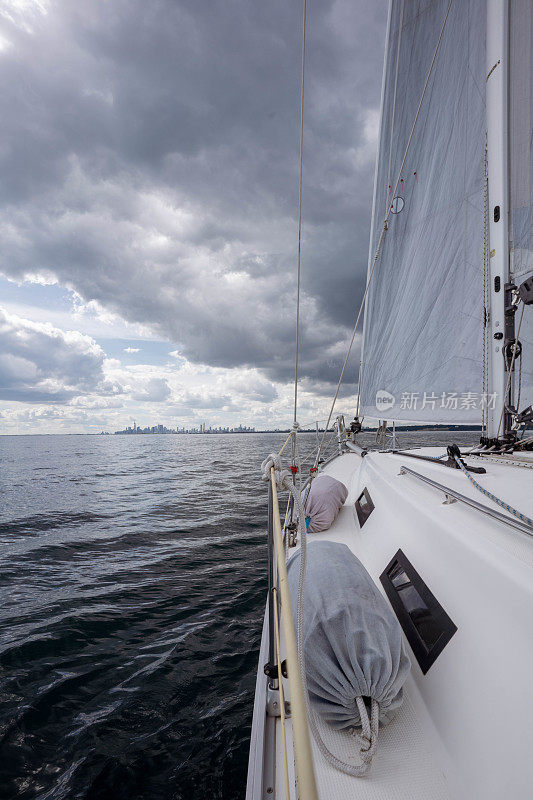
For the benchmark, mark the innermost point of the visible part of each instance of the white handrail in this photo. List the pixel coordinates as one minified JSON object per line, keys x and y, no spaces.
{"x":302,"y":742}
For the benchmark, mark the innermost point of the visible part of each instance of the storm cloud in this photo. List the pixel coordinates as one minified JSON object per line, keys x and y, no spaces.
{"x":149,"y":163}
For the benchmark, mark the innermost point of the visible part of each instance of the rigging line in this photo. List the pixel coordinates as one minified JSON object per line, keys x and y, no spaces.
{"x":519,"y":385}
{"x":352,"y":340}
{"x":510,"y":370}
{"x":313,"y":422}
{"x":311,"y":454}
{"x":358,"y":388}
{"x":386,"y":222}
{"x":287,"y":440}
{"x":300,"y":214}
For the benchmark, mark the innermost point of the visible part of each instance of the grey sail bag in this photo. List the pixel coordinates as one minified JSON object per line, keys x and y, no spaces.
{"x":325,"y":500}
{"x":352,"y":640}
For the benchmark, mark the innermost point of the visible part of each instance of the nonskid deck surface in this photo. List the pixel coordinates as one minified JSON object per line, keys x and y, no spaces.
{"x":404,"y":767}
{"x":459,"y":551}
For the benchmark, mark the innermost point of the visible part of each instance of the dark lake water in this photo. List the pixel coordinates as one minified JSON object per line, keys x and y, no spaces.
{"x":132,"y":581}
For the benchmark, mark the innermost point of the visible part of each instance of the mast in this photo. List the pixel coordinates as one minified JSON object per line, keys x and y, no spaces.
{"x":500,"y":335}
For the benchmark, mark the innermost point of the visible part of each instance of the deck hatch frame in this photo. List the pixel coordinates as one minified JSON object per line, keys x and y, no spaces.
{"x":364,"y":506}
{"x":427,"y":650}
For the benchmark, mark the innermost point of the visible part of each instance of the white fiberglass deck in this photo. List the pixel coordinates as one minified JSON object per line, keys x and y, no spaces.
{"x":510,"y":482}
{"x":448,"y":739}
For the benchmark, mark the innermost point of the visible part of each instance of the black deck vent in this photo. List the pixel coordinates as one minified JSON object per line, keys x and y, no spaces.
{"x":427,"y":626}
{"x":364,"y":507}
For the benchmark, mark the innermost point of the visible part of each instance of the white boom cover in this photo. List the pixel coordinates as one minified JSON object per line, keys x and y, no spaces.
{"x":423,"y":318}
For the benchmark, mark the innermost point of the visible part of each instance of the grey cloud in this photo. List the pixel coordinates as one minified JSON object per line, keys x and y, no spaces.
{"x":212,"y":402}
{"x":151,"y":151}
{"x":40,"y":413}
{"x":40,"y":363}
{"x":258,"y":389}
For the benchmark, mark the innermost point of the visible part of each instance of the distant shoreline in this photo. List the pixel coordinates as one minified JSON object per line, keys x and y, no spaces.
{"x":474,"y":428}
{"x":288,"y":430}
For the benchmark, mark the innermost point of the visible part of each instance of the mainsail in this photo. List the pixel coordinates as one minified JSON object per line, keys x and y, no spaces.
{"x":422,"y":356}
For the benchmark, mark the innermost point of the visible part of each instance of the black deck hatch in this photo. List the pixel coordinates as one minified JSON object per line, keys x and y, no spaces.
{"x":364,"y":507}
{"x":427,"y":626}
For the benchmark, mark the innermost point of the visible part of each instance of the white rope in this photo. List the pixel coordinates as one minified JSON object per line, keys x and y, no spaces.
{"x":274,"y":461}
{"x":386,"y":222}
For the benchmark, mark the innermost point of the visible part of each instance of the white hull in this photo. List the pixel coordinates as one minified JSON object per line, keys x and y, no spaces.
{"x":464,"y":730}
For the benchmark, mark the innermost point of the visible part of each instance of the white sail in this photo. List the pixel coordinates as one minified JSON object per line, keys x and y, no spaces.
{"x":422,"y":357}
{"x":521,"y":178}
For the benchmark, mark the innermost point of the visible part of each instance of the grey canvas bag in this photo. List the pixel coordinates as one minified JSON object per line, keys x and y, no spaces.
{"x":324,"y":501}
{"x":352,"y":640}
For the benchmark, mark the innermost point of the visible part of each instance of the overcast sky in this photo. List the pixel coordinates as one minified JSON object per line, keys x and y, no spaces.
{"x":149,"y":200}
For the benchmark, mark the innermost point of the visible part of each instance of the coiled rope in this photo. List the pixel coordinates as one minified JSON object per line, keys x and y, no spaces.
{"x":493,"y":497}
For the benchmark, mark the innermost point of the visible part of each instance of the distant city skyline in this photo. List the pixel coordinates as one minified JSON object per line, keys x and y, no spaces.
{"x":159,"y":429}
